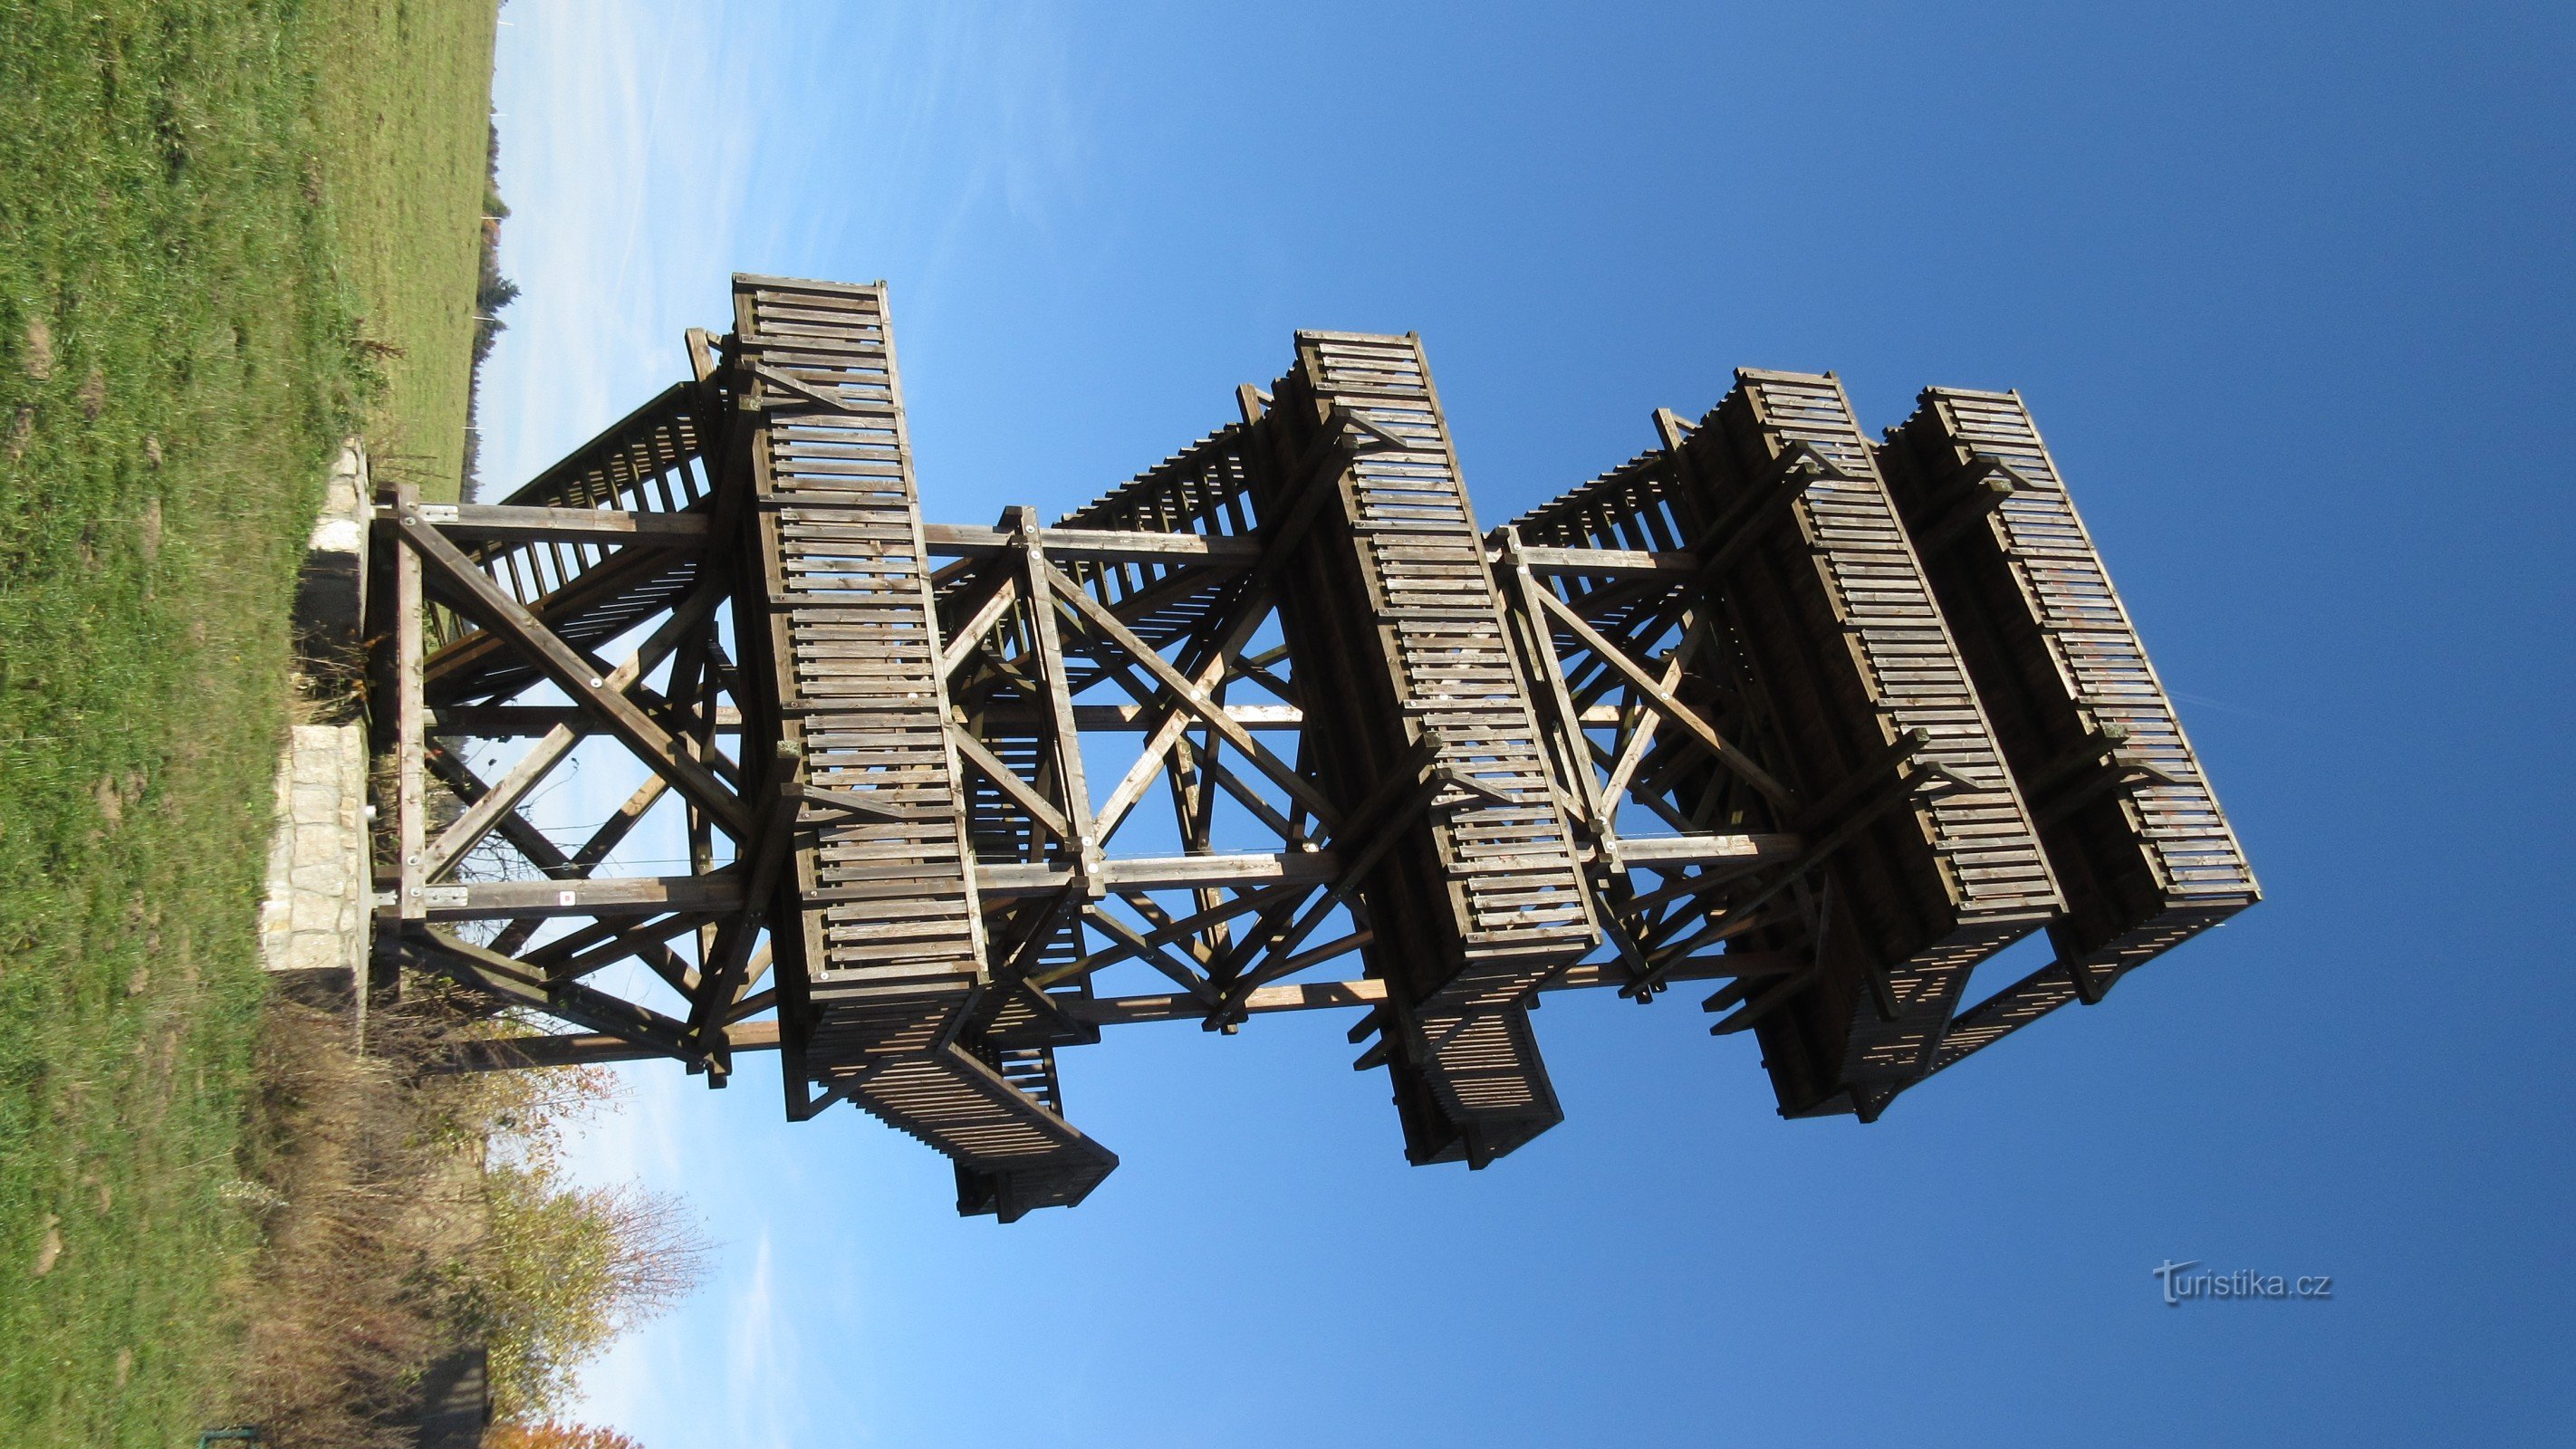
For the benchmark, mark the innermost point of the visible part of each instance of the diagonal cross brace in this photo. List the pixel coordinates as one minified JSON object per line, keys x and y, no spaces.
{"x":1662,"y":702}
{"x":507,"y":618}
{"x":502,"y":799}
{"x":513,"y":981}
{"x":1104,"y":623}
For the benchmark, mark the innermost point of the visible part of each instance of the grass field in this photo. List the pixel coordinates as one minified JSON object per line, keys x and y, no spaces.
{"x":229,"y":233}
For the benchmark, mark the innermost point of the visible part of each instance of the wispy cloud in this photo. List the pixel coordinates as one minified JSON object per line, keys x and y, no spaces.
{"x":763,"y":1360}
{"x":648,"y":151}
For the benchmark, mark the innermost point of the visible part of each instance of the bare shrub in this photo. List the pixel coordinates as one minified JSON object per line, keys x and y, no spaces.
{"x":562,"y":1273}
{"x":554,"y":1434}
{"x":406,"y":1210}
{"x":358,"y":1192}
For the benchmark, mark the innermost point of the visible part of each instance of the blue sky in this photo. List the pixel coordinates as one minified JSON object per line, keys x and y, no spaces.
{"x":2289,"y":293}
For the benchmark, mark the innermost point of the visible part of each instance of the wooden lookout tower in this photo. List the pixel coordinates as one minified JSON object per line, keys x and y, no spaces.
{"x":1820,"y":721}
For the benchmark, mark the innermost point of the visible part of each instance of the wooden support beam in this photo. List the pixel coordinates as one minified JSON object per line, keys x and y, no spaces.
{"x":411,"y":720}
{"x":844,"y":802}
{"x":1225,"y":779}
{"x":1378,"y":826}
{"x":1859,"y":804}
{"x":1134,"y":718}
{"x":515,"y":1053}
{"x":516,"y":828}
{"x":573,"y":673}
{"x":511,"y":980}
{"x":598,"y":526}
{"x":1194,"y":813}
{"x":501,"y":802}
{"x":1539,"y":642}
{"x":1608,"y":563}
{"x":1176,"y":872}
{"x":1662,"y":702}
{"x":520,"y":1053}
{"x":1770,"y":998}
{"x":1095,"y":545}
{"x":1662,"y":851}
{"x":1218,"y":641}
{"x":1151,"y":954}
{"x":1367,"y":992}
{"x":518,"y":721}
{"x":1195,"y":699}
{"x":1743,"y":526}
{"x":731,"y":953}
{"x":611,"y":896}
{"x":642,"y":942}
{"x":1640,"y":723}
{"x":808,"y":395}
{"x":970,"y":635}
{"x":1021,"y":792}
{"x":1064,"y":738}
{"x":585,"y":860}
{"x":1983,"y":497}
{"x":1167,"y":932}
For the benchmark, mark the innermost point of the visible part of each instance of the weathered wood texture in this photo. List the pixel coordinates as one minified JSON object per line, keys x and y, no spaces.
{"x":1203,"y":492}
{"x":1388,"y":595}
{"x":888,"y":933}
{"x":588,"y":591}
{"x":1855,"y":655}
{"x":1860,"y":749}
{"x":1824,"y":651}
{"x":1656,"y":705}
{"x":2133,"y":831}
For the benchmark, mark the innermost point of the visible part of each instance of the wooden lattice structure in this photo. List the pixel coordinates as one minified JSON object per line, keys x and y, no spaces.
{"x":1825,"y":721}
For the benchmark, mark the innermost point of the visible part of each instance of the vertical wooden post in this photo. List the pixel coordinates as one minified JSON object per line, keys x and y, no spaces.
{"x":410,"y":719}
{"x":1049,"y":644}
{"x":1524,"y":608}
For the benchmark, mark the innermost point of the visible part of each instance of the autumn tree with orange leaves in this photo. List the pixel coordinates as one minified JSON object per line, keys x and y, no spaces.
{"x":554,"y":1434}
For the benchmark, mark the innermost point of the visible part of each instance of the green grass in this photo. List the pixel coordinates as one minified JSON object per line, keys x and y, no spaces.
{"x":206,"y":209}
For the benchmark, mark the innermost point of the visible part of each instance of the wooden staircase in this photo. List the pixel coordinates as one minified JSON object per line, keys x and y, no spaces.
{"x":884,"y":927}
{"x":2132,"y":830}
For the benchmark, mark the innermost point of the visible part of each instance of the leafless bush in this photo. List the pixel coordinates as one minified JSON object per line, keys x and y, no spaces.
{"x":407,"y":1211}
{"x":363,"y":1186}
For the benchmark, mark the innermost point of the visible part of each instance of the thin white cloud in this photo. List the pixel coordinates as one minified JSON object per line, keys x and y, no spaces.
{"x":762,"y":1359}
{"x":648,"y":152}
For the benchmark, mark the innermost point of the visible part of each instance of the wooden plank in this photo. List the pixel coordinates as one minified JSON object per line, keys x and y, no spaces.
{"x":1177,"y":872}
{"x":609,"y":896}
{"x":1662,"y":701}
{"x":1095,"y":545}
{"x":1195,"y":699}
{"x":411,"y":717}
{"x":492,"y":522}
{"x":1609,"y":563}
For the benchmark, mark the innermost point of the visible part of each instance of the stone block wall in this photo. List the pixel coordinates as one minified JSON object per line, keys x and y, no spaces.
{"x":314,"y":920}
{"x":329,"y":595}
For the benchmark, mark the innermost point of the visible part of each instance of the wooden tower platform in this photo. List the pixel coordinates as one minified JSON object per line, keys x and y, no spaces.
{"x":1875,"y":708}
